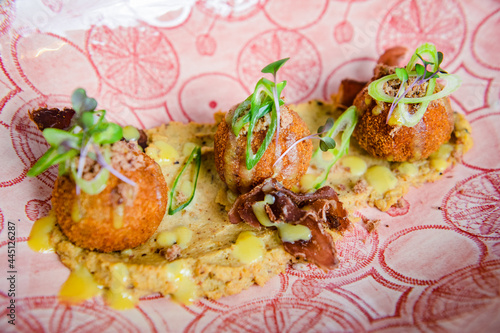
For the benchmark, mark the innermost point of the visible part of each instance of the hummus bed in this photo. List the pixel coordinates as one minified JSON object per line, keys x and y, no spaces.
{"x":206,"y":265}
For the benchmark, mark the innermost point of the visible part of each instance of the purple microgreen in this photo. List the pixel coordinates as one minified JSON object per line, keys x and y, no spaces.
{"x":109,"y":133}
{"x":86,"y":119}
{"x":102,"y":161}
{"x":273,"y":67}
{"x":423,"y":76}
{"x":89,"y":128}
{"x":326,"y":127}
{"x":325,"y":142}
{"x":56,"y":137}
{"x":81,"y":102}
{"x":440,"y":57}
{"x":420,"y":69}
{"x":425,"y":62}
{"x":345,"y":124}
{"x":402,"y":74}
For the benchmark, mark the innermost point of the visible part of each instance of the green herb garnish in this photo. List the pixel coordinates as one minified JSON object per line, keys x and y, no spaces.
{"x":194,"y":157}
{"x":325,"y":142}
{"x":89,"y":129}
{"x":265,"y":99}
{"x":398,"y":113}
{"x":345,"y":124}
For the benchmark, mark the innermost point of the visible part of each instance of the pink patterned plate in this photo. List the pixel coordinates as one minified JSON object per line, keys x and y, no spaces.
{"x":433,"y":264}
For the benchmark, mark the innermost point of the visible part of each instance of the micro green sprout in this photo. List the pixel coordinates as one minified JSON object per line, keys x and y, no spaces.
{"x":326,"y":143}
{"x":423,"y":76}
{"x":89,"y":128}
{"x":345,"y":124}
{"x":398,"y":113}
{"x":265,"y":99}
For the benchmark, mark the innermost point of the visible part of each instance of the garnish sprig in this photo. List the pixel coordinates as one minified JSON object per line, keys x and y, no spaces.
{"x":398,"y":113}
{"x":273,"y":68}
{"x":89,"y":128}
{"x":265,"y":99}
{"x":345,"y":124}
{"x":326,"y":143}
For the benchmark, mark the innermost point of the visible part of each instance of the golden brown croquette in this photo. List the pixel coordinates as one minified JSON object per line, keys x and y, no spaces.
{"x":401,"y":143}
{"x":120,"y":217}
{"x":230,"y":152}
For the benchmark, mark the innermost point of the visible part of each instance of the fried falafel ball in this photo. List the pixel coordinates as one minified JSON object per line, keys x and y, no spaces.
{"x":401,"y":143}
{"x":120,"y":217}
{"x":230,"y":152}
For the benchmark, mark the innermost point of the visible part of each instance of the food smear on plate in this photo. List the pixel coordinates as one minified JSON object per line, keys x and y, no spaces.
{"x":238,"y":204}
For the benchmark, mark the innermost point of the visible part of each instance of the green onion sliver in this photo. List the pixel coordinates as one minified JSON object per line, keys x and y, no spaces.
{"x":56,"y":137}
{"x":262,"y":94}
{"x":376,"y":89}
{"x":238,"y":122}
{"x":251,"y":158}
{"x":94,"y":186}
{"x":345,"y":123}
{"x":401,"y":116}
{"x":50,"y":158}
{"x":196,"y":157}
{"x":423,"y":50}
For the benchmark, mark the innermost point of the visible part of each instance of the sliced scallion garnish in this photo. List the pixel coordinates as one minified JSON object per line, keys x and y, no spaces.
{"x":376,"y":90}
{"x":398,"y":113}
{"x":265,"y":99}
{"x":94,"y":186}
{"x":194,"y":157}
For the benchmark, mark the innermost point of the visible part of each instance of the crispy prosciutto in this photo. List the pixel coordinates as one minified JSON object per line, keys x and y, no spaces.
{"x":318,"y":211}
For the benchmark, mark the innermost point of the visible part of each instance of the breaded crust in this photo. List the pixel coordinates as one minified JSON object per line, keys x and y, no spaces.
{"x":404,"y":143}
{"x":230,"y":152}
{"x":98,"y":224}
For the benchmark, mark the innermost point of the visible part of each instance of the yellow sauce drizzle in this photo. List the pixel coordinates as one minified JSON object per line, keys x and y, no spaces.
{"x":357,"y":166}
{"x":161,"y":151}
{"x":76,"y":211}
{"x":180,"y":235}
{"x":39,"y":239}
{"x":127,"y":252}
{"x":79,"y":286}
{"x":291,"y":233}
{"x":288,"y":232}
{"x":259,"y":210}
{"x":439,"y":158}
{"x":166,"y":238}
{"x":248,"y":248}
{"x":181,"y":276}
{"x":131,"y":133}
{"x":184,"y":236}
{"x":118,"y":296}
{"x":118,"y":216}
{"x":381,"y":178}
{"x":308,"y":181}
{"x":185,"y":191}
{"x":408,"y":169}
{"x":188,"y":148}
{"x":377,"y":110}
